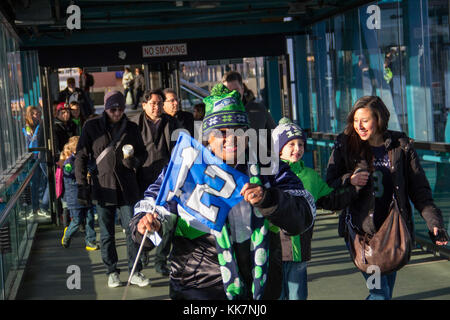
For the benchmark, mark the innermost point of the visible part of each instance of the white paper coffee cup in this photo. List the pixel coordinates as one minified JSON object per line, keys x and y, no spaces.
{"x":128,"y":151}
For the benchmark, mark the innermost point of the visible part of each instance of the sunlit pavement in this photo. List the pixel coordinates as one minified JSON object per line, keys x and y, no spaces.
{"x":331,"y":274}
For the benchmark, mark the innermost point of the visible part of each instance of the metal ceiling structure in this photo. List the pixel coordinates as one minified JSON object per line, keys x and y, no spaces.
{"x":43,"y":23}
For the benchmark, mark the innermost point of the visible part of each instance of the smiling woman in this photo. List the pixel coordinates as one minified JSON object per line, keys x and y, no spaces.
{"x":384,"y":164}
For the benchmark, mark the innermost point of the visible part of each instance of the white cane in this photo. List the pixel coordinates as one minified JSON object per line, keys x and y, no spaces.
{"x":137,"y":259}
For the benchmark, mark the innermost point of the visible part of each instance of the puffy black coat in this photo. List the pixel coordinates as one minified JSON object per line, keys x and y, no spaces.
{"x":194,"y":262}
{"x":408,"y":178}
{"x":158,"y":146}
{"x":114,"y":181}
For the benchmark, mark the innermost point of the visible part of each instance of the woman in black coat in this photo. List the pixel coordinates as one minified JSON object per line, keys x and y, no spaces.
{"x":384,"y":164}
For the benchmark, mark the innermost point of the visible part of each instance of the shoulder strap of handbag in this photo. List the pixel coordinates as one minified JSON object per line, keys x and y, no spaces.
{"x":113,"y":144}
{"x":35,"y":133}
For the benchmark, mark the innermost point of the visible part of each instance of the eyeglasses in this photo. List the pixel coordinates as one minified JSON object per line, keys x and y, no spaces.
{"x":154,"y":103}
{"x":172,"y":100}
{"x":114,"y":110}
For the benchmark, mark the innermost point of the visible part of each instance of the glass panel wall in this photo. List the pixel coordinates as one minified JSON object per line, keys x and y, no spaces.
{"x":19,"y":79}
{"x":403,"y":57}
{"x":205,"y":74}
{"x":11,"y":96}
{"x":400,"y":51}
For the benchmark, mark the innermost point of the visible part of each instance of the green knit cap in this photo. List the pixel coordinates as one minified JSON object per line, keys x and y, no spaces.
{"x":223,"y":109}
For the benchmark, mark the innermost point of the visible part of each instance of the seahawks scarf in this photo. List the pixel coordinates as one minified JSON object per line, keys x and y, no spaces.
{"x":259,"y":244}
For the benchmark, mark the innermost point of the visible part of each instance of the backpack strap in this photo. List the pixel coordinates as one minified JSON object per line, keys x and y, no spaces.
{"x":115,"y":142}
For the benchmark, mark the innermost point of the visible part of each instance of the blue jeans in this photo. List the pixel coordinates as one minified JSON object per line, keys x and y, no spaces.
{"x":36,"y":181}
{"x":294,"y":285}
{"x":106,"y":221}
{"x":78,"y":216}
{"x":45,"y":196}
{"x":386,"y":288}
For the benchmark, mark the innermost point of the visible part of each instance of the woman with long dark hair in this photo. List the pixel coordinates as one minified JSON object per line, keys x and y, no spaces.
{"x":384,"y":165}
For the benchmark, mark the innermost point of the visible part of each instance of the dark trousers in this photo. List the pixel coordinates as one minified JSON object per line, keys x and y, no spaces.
{"x":106,"y":221}
{"x":137,"y":97}
{"x":125,"y":92}
{"x":163,"y":250}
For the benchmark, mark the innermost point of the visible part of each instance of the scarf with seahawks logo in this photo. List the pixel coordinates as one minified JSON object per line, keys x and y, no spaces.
{"x":259,"y":252}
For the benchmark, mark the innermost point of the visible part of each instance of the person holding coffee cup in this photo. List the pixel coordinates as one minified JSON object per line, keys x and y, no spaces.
{"x":115,"y":144}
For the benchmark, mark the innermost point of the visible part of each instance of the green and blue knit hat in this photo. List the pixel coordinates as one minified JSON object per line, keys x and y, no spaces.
{"x":224,"y":109}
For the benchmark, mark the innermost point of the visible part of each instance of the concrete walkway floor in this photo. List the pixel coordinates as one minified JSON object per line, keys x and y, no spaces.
{"x":331,"y":274}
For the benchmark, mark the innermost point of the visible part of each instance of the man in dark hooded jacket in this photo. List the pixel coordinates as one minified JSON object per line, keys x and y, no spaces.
{"x":114,"y":181}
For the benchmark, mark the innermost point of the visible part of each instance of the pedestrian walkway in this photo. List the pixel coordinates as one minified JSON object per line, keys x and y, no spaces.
{"x":331,"y":274}
{"x":46,"y":276}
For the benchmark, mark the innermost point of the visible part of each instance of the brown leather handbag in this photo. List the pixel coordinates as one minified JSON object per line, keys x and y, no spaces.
{"x":389,"y":248}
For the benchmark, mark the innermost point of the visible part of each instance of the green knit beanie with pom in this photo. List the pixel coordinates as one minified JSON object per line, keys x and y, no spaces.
{"x":224,"y":109}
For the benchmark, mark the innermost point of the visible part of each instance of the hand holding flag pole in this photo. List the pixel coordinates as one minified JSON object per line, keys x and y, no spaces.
{"x":205,"y":190}
{"x":138,"y":255}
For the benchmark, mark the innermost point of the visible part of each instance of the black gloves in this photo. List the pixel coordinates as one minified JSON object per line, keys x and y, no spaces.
{"x":131,"y":163}
{"x":442,"y":236}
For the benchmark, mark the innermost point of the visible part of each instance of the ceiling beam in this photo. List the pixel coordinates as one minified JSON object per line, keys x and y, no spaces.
{"x":201,"y":31}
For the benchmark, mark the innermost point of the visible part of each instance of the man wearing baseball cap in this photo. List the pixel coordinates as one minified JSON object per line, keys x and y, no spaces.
{"x":112,"y":179}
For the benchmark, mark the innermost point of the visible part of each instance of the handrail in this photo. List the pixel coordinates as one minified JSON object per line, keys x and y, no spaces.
{"x":191,"y":92}
{"x":12,"y":202}
{"x":20,"y":164}
{"x":422,"y":145}
{"x":192,"y":88}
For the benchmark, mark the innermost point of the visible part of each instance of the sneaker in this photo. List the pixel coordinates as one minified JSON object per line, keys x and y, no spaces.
{"x":162,"y":268}
{"x":113,"y":280}
{"x":43,"y":213}
{"x":31,"y":216}
{"x":139,"y":279}
{"x":92,"y":246}
{"x":65,"y":241}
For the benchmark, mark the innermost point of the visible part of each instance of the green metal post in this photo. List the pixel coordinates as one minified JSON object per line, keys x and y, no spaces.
{"x":273,"y":86}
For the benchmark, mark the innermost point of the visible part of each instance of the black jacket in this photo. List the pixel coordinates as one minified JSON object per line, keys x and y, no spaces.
{"x":114,"y":181}
{"x":186,"y":121}
{"x":259,"y":118}
{"x":62,"y":132}
{"x":86,"y":107}
{"x":194,"y":261}
{"x":408,"y":178}
{"x":158,"y":146}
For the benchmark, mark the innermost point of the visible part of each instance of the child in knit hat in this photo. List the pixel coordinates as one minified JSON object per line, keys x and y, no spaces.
{"x":290,"y":140}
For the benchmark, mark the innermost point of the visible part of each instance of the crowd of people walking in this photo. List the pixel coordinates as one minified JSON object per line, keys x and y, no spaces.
{"x":372,"y":172}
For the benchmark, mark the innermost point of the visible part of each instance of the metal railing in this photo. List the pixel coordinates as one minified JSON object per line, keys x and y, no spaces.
{"x":9,"y":222}
{"x":420,"y":145}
